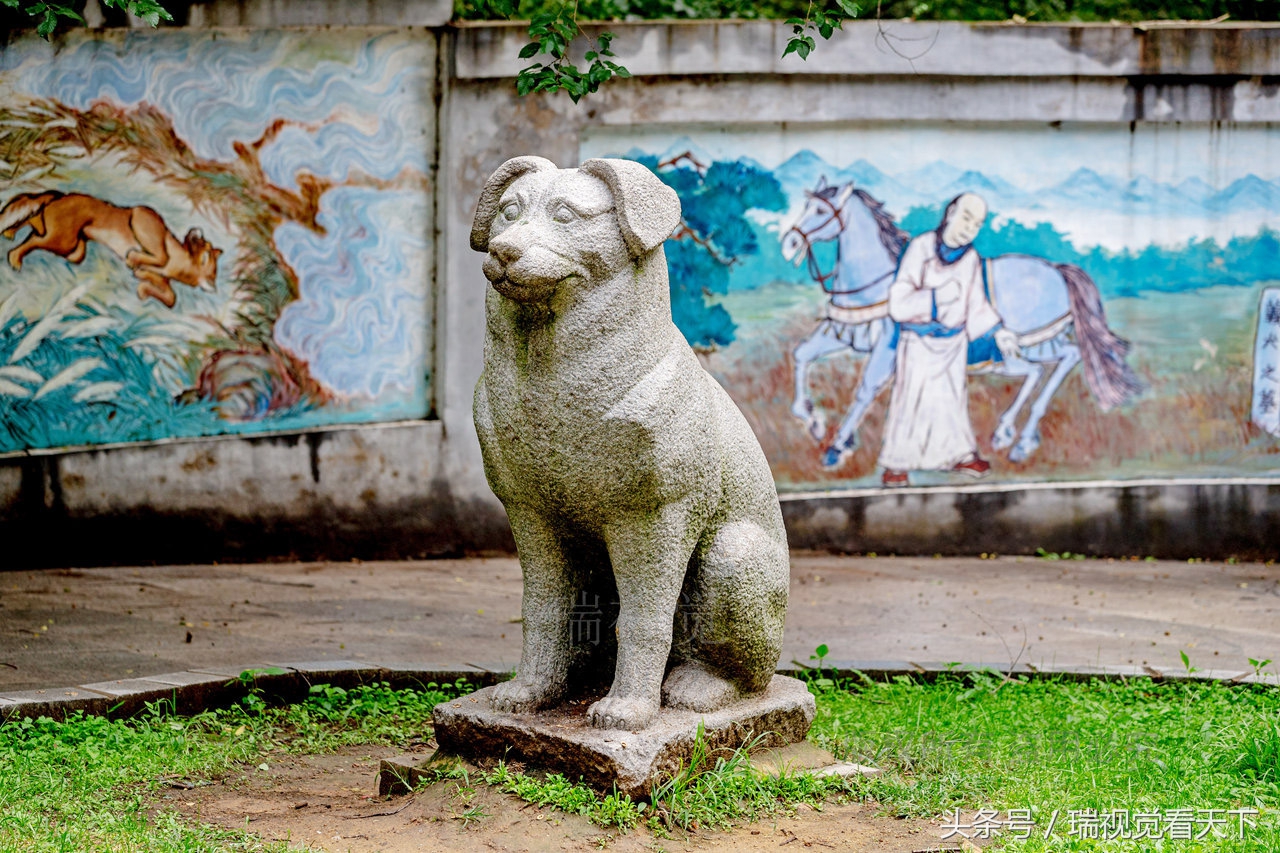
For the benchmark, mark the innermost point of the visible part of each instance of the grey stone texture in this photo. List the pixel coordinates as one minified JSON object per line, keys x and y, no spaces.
{"x":793,"y":758}
{"x":564,"y":739}
{"x":318,"y":13}
{"x":400,"y":775}
{"x":403,"y":773}
{"x":805,"y":757}
{"x":643,"y":510}
{"x":54,"y":702}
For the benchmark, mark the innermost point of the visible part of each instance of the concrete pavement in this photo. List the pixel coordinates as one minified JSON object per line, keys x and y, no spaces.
{"x":76,"y":626}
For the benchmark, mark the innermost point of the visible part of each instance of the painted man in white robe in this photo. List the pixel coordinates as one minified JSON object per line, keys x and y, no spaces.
{"x":940,"y":303}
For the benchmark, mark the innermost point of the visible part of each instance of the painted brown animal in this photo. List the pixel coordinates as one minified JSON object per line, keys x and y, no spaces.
{"x":65,"y":223}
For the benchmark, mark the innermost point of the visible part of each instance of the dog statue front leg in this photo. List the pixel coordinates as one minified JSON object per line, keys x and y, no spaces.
{"x":546,"y":609}
{"x":649,"y":557}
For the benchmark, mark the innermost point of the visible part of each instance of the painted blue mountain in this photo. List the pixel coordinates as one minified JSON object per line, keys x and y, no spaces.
{"x":1143,"y":190}
{"x":802,"y":171}
{"x":1195,"y":189}
{"x":936,"y":182}
{"x":869,"y":178}
{"x":996,"y":190}
{"x":916,"y":197}
{"x":1248,"y":193}
{"x":928,"y":178}
{"x":682,"y":152}
{"x":1087,"y":187}
{"x":1143,"y":195}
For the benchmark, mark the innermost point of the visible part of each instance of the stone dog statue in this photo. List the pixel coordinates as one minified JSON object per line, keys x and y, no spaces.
{"x":633,"y":484}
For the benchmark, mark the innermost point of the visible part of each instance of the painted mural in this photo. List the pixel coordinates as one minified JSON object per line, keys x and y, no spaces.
{"x":898,"y":305}
{"x":212,"y":234}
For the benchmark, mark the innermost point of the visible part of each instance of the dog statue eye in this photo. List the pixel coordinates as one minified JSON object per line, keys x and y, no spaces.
{"x":564,"y":213}
{"x":511,"y":211}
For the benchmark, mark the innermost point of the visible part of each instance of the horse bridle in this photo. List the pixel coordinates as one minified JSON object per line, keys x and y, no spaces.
{"x":836,"y":215}
{"x":811,"y":259}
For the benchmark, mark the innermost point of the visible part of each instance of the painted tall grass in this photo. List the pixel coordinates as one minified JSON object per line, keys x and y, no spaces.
{"x":82,"y":374}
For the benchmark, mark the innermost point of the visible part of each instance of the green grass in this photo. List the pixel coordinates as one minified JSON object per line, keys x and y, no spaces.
{"x":90,"y":784}
{"x":964,"y":742}
{"x":1046,"y":745}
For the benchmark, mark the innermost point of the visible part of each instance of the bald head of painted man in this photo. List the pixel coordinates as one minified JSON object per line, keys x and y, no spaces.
{"x":963,"y":220}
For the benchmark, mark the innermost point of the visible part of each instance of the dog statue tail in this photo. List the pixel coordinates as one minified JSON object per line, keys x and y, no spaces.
{"x":22,"y":208}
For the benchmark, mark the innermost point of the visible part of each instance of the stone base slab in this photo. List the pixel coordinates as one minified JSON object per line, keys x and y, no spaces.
{"x":403,"y":773}
{"x":562,"y":741}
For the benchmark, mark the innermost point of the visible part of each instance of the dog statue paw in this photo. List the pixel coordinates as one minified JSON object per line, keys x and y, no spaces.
{"x":631,"y":714}
{"x":633,"y":485}
{"x":522,"y":695}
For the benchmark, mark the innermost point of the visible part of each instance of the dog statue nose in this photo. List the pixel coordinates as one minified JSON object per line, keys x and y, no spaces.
{"x":504,"y":250}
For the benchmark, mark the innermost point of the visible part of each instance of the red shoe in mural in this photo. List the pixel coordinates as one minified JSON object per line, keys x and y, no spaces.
{"x":894,"y":479}
{"x":974,"y":467}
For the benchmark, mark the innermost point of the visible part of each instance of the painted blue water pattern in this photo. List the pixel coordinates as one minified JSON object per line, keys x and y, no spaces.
{"x":336,"y":149}
{"x":219,"y":92}
{"x":361,"y":318}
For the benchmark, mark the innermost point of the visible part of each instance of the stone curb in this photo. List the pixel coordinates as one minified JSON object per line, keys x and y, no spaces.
{"x":882,"y":670}
{"x":205,"y":688}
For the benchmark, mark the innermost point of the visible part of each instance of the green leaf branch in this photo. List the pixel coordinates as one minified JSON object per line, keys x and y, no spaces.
{"x":49,"y":15}
{"x":822,"y":21}
{"x":554,"y":30}
{"x":551,"y":33}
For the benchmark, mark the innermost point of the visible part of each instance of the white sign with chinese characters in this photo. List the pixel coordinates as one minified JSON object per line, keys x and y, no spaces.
{"x":1266,"y":363}
{"x":1180,"y":824}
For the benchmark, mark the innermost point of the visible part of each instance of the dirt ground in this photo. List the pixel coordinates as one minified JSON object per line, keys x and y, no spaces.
{"x":330,"y":802}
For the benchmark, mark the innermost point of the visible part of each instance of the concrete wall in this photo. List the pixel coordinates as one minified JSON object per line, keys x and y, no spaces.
{"x":416,"y":487}
{"x":1184,"y":467}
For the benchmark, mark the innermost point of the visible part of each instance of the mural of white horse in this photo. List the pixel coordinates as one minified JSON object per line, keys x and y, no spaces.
{"x":1055,"y":309}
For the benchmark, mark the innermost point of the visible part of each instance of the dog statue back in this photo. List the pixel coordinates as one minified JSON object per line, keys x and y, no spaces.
{"x":633,"y":484}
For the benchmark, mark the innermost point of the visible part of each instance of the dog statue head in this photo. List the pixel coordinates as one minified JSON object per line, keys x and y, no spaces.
{"x":543,"y":226}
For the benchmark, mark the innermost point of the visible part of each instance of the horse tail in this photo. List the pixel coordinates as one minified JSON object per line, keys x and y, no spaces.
{"x":24,"y":206}
{"x":1106,"y":372}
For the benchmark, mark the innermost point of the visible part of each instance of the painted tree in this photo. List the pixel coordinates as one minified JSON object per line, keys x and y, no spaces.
{"x":714,"y":234}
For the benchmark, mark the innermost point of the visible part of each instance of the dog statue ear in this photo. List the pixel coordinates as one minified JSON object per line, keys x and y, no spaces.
{"x":487,"y":207}
{"x":648,"y":210}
